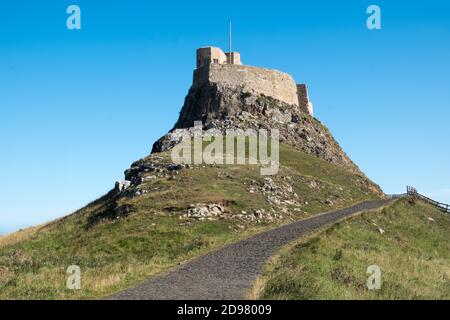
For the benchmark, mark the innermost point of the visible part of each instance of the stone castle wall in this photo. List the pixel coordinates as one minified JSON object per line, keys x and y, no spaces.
{"x":303,"y":98}
{"x":268,"y":82}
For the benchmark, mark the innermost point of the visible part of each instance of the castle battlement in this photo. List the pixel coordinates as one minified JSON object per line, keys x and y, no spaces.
{"x":214,"y":55}
{"x":215,"y":66}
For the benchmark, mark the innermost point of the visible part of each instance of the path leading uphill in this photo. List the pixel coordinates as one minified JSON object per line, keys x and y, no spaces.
{"x":229,"y":272}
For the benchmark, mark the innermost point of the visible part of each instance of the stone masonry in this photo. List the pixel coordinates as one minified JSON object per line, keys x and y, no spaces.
{"x":225,"y":69}
{"x":303,"y":99}
{"x":271,"y":83}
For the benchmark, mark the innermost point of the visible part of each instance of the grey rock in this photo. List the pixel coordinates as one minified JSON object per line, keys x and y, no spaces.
{"x":122,"y":185}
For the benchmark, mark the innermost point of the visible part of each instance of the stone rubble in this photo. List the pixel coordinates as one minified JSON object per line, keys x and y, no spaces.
{"x":203,"y":211}
{"x":277,"y":193}
{"x":144,"y":170}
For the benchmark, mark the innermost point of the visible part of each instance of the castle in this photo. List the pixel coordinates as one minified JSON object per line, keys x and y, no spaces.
{"x":215,"y":66}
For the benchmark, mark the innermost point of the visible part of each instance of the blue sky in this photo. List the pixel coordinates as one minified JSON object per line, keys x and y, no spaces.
{"x":77,"y":107}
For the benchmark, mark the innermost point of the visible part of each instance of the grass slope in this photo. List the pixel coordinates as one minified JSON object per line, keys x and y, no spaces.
{"x":413,"y":254}
{"x":116,"y":253}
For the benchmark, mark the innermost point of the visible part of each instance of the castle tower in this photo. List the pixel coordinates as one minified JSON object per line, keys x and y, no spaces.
{"x":303,"y":99}
{"x":214,"y":55}
{"x":215,"y":66}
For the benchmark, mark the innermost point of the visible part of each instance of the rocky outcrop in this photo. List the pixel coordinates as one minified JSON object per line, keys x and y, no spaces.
{"x":122,"y":185}
{"x":148,"y":169}
{"x":203,"y":211}
{"x":221,"y":107}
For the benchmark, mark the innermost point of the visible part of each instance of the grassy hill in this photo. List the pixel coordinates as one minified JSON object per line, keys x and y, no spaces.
{"x":409,"y":243}
{"x":119,"y":241}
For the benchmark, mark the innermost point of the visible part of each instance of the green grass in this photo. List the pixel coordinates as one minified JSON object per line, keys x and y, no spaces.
{"x":413,"y":254}
{"x":117,"y":253}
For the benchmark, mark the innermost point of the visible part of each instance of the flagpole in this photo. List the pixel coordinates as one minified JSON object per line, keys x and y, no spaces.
{"x":230,"y":36}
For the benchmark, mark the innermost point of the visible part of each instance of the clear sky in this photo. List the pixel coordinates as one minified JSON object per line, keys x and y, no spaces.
{"x":77,"y":107}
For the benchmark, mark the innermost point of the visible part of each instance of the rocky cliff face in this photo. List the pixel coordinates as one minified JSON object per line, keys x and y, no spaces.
{"x":221,"y":107}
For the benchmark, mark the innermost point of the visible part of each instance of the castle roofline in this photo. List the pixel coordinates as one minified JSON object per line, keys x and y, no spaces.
{"x":215,"y":55}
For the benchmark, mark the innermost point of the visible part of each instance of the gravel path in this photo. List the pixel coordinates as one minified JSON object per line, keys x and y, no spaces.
{"x":229,"y":272}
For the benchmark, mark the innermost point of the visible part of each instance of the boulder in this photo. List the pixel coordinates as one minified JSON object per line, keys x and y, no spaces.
{"x":122,"y":185}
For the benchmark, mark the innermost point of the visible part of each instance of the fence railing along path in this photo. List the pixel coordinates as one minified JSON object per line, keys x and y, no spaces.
{"x":411,"y":191}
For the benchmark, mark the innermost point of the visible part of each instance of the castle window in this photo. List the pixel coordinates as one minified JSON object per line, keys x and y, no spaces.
{"x":216,"y":61}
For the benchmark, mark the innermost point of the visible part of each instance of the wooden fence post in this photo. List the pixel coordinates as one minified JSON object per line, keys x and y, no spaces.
{"x":415,"y":195}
